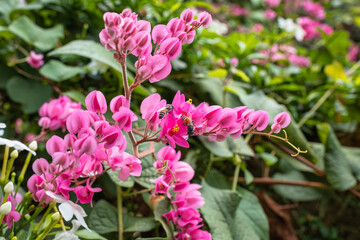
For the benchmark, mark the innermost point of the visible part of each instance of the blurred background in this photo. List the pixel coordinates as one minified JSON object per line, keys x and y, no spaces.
{"x":274,"y":55}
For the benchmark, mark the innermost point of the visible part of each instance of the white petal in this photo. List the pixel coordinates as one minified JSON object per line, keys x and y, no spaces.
{"x":81,"y":220}
{"x":2,"y":125}
{"x":76,"y":224}
{"x":58,"y":198}
{"x":66,"y":211}
{"x":15,"y":144}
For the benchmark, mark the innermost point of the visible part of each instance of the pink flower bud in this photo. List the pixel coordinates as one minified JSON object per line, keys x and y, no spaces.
{"x":124,"y":117}
{"x":128,"y":25}
{"x":159,"y":33}
{"x":76,"y":121}
{"x":117,"y":102}
{"x":160,"y":66}
{"x":129,"y":44}
{"x":55,"y":144}
{"x":106,"y":39}
{"x":205,"y":19}
{"x":234,"y":62}
{"x":69,"y":140}
{"x":111,"y":19}
{"x":142,"y":39}
{"x":35,"y":60}
{"x":44,"y":122}
{"x":112,"y":137}
{"x":40,"y":166}
{"x":282,"y":120}
{"x":171,"y":47}
{"x":126,"y":13}
{"x":190,"y":37}
{"x":96,"y":102}
{"x":176,"y":25}
{"x":143,"y":25}
{"x":86,"y":145}
{"x":259,"y":120}
{"x":187,"y":15}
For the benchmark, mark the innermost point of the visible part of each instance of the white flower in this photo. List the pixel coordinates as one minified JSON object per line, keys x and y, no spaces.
{"x":68,"y":209}
{"x":290,"y":26}
{"x":13,"y":143}
{"x":2,"y":126}
{"x":218,"y":27}
{"x":69,"y":235}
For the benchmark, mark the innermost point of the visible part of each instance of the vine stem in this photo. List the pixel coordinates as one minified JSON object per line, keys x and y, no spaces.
{"x":237,"y":160}
{"x":120,"y":215}
{"x":271,"y":181}
{"x":127,"y":93}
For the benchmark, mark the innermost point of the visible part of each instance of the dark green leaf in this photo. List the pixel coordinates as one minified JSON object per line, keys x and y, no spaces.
{"x":57,"y":71}
{"x":161,"y":208}
{"x":29,"y":93}
{"x":44,"y":39}
{"x":103,"y":218}
{"x":89,"y":49}
{"x":114,"y":177}
{"x":76,"y":96}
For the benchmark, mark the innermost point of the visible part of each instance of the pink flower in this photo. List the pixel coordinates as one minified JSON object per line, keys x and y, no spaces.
{"x":270,"y":14}
{"x":282,"y":120}
{"x":205,"y":19}
{"x":85,"y":194}
{"x":96,"y":102}
{"x":272,"y":3}
{"x":130,"y":165}
{"x":259,"y":120}
{"x":149,"y":109}
{"x":171,"y":47}
{"x":300,"y":61}
{"x":124,"y":117}
{"x":55,"y":144}
{"x":160,"y":33}
{"x":238,"y":11}
{"x":187,"y":15}
{"x":234,"y":62}
{"x":77,"y":121}
{"x":258,"y":27}
{"x":35,"y":60}
{"x":314,"y":9}
{"x":353,"y":53}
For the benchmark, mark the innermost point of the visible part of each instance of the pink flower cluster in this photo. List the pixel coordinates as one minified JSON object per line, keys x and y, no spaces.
{"x":185,"y":120}
{"x":14,"y":215}
{"x":35,"y":60}
{"x":272,"y":3}
{"x":311,"y":26}
{"x":79,"y":158}
{"x":125,"y":34}
{"x":236,"y":10}
{"x":176,"y":176}
{"x":280,"y":53}
{"x":353,"y":53}
{"x":315,"y":10}
{"x":55,"y":113}
{"x":270,"y":14}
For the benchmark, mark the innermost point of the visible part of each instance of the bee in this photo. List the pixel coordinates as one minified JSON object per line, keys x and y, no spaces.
{"x":188,"y":122}
{"x":163,"y":111}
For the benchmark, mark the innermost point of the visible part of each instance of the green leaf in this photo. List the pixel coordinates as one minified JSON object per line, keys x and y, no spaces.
{"x":29,"y":93}
{"x":57,"y":71}
{"x":336,"y":71}
{"x":338,"y":170}
{"x":161,"y":208}
{"x":138,"y":224}
{"x":259,"y":101}
{"x":296,"y":193}
{"x":242,"y":75}
{"x":338,"y":42}
{"x":269,"y":159}
{"x":212,"y":86}
{"x":103,"y":218}
{"x":76,"y":96}
{"x":114,"y":177}
{"x":86,"y":234}
{"x":354,"y":160}
{"x":89,"y":49}
{"x":44,"y":39}
{"x":220,"y":149}
{"x":218,"y":73}
{"x":252,"y":212}
{"x":224,"y":215}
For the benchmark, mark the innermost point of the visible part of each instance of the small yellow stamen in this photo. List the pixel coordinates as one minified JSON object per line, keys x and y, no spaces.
{"x":189,"y":101}
{"x":175,"y":129}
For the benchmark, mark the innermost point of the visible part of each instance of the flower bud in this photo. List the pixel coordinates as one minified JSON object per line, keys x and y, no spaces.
{"x":142,"y":39}
{"x":55,"y":144}
{"x":41,"y":166}
{"x":171,"y":47}
{"x":14,"y":154}
{"x":187,"y":15}
{"x":205,"y":19}
{"x":33,"y":145}
{"x":234,"y":62}
{"x":44,"y":122}
{"x":5,"y":208}
{"x":176,"y":25}
{"x":9,"y":188}
{"x":117,"y":102}
{"x":282,"y":120}
{"x":159,"y":33}
{"x":259,"y":120}
{"x":96,"y":102}
{"x":56,"y":217}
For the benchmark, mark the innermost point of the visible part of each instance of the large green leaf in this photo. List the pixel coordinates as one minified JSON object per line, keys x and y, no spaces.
{"x":223,"y":213}
{"x":296,"y":193}
{"x":44,"y":39}
{"x":57,"y":71}
{"x":86,"y":234}
{"x":259,"y":101}
{"x":89,"y":49}
{"x":29,"y":93}
{"x":103,"y":219}
{"x":114,"y":177}
{"x":337,"y":164}
{"x":252,"y":212}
